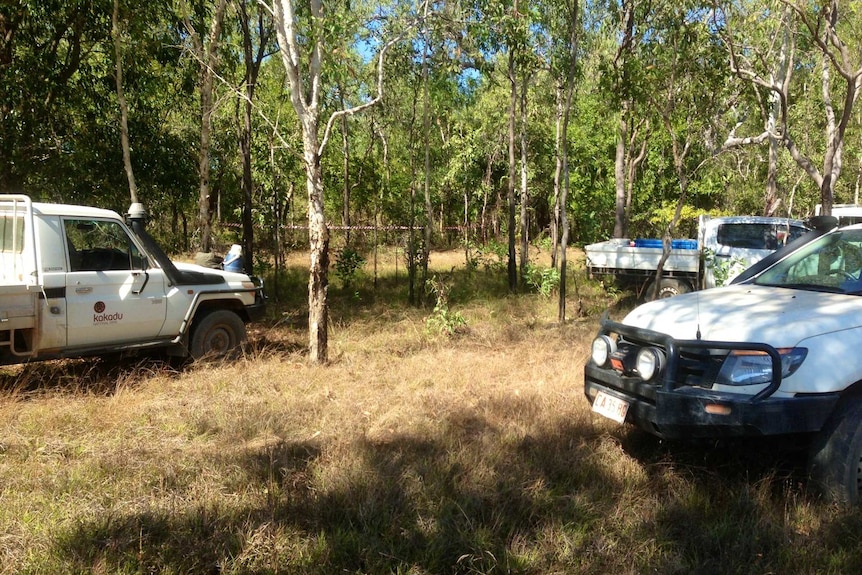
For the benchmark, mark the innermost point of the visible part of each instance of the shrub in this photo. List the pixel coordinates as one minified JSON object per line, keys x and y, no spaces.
{"x":543,"y":280}
{"x":348,"y":261}
{"x":442,"y":320}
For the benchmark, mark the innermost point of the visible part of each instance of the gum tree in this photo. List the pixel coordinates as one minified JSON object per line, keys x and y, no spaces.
{"x":302,"y":32}
{"x":204,"y":48}
{"x":768,"y":60}
{"x":685,"y":98}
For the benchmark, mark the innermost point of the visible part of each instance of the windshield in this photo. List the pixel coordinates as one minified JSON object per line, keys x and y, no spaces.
{"x":758,"y":236}
{"x":830,"y":263}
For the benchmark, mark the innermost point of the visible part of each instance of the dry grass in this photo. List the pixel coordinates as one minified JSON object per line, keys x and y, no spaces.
{"x":413,"y":452}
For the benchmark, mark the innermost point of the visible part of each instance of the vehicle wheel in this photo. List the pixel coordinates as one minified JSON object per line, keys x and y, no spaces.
{"x":217,"y":334}
{"x":668,"y":287}
{"x":835,"y":458}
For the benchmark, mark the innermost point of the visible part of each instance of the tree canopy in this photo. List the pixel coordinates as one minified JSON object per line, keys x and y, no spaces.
{"x":745,"y":107}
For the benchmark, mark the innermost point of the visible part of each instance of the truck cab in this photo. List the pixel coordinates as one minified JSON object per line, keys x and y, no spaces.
{"x":79,"y":280}
{"x":731,"y":244}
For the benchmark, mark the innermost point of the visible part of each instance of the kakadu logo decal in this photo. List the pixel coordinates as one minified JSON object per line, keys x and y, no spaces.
{"x":101,"y":317}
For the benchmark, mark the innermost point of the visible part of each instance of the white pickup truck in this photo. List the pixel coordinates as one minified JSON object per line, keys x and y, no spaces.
{"x":724,"y":247}
{"x":776,"y":353}
{"x":78,"y":281}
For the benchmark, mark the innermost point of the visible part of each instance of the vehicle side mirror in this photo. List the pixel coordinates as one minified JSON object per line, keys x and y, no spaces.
{"x":823,"y":223}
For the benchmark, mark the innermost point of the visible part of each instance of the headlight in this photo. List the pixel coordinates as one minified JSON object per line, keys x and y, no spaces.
{"x":649,"y":363}
{"x":744,"y":367}
{"x":603,"y":347}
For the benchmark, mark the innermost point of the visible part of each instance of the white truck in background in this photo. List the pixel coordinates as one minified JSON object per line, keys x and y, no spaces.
{"x":724,"y":247}
{"x":78,"y":281}
{"x":847,"y":214}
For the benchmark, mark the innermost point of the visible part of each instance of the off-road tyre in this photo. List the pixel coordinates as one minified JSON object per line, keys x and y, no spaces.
{"x":835,"y":456}
{"x":667,"y":287}
{"x":218,"y":334}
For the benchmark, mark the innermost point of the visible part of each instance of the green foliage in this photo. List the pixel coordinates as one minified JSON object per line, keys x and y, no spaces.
{"x":662,"y":216}
{"x":494,"y":255}
{"x":723,"y":269}
{"x":686,"y":227}
{"x":442,"y":320}
{"x":348,"y":262}
{"x":545,"y":243}
{"x":59,"y":135}
{"x":543,"y":280}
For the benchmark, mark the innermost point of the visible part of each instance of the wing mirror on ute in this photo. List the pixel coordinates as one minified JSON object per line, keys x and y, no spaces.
{"x":822,"y":223}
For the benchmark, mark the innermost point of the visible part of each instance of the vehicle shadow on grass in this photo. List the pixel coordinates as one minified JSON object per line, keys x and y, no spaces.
{"x":471,"y":497}
{"x":781,"y":460}
{"x":103,"y":376}
{"x":743,"y":505}
{"x":108,"y":374}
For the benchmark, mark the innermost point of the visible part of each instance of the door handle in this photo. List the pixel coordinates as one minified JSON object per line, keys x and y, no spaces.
{"x":136,"y":275}
{"x":83,"y":290}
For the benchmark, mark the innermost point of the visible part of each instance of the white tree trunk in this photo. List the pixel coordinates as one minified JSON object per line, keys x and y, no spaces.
{"x":304,"y":81}
{"x":116,"y":32}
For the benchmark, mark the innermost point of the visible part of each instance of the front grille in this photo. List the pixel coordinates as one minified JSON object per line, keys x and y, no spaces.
{"x":688,"y":363}
{"x":696,"y":367}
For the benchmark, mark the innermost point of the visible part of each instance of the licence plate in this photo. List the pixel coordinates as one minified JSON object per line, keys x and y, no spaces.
{"x":611,"y":407}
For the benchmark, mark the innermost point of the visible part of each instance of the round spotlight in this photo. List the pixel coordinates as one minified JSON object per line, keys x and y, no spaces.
{"x":603,"y":347}
{"x":649,"y":363}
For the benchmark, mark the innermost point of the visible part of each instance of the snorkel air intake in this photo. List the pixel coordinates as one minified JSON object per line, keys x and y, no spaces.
{"x":136,"y":218}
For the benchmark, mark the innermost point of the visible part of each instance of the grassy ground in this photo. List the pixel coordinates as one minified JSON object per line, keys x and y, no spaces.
{"x":414,"y":452}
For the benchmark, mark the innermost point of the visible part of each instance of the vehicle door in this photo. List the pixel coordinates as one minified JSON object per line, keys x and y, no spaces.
{"x":113,"y":296}
{"x":738,"y":245}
